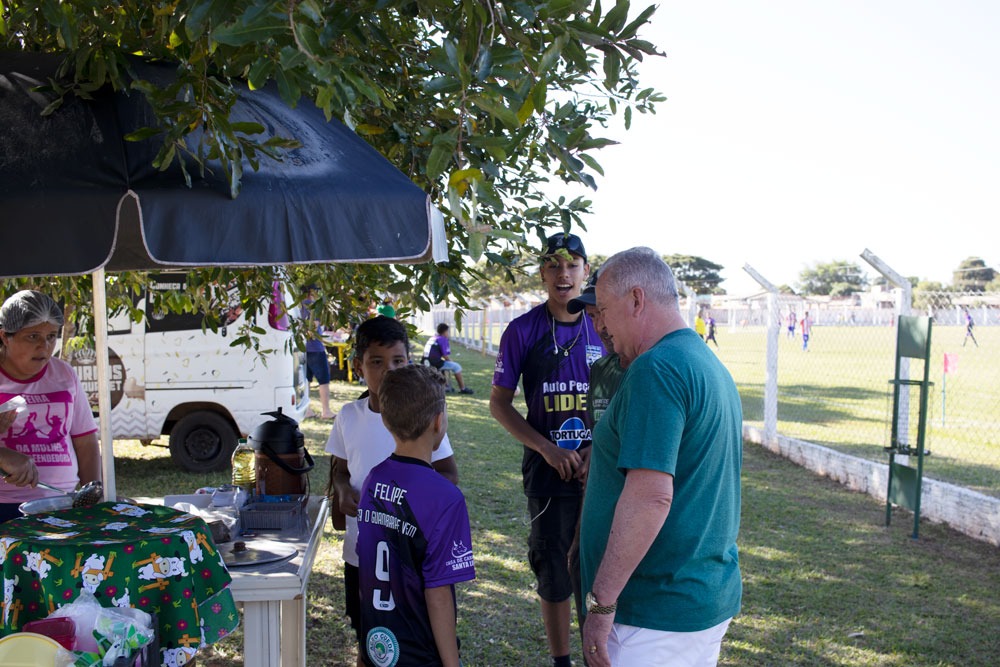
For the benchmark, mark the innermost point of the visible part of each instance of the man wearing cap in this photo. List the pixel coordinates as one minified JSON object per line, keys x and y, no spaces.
{"x":662,"y":513}
{"x":551,"y":350}
{"x":605,"y":376}
{"x":605,"y":373}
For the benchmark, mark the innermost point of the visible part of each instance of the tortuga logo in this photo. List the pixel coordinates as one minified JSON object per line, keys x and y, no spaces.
{"x":572,"y":432}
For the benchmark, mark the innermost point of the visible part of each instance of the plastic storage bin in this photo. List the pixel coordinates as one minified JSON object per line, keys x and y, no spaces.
{"x":62,"y":629}
{"x":290,"y":515}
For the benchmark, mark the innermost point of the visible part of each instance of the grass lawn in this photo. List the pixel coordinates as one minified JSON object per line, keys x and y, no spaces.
{"x":825,"y":582}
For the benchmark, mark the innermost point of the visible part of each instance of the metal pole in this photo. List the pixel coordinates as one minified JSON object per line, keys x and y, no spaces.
{"x":103,"y":385}
{"x":904,"y":305}
{"x":771,"y":364}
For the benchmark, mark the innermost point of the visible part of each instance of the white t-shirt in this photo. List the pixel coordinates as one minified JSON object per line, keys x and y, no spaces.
{"x":359,"y":437}
{"x":57,"y":412}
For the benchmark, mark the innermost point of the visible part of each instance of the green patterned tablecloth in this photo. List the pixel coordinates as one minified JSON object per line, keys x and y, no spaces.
{"x":149,"y":557}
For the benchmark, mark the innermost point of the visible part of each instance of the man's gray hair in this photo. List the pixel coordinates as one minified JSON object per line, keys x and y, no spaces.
{"x":28,"y":308}
{"x":641,"y":267}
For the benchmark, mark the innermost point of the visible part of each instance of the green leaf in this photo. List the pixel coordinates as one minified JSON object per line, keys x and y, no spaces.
{"x":563,"y":8}
{"x":484,"y":63}
{"x":612,"y":69}
{"x":615,"y":19}
{"x":596,"y":142}
{"x":143,"y":134}
{"x":442,"y":84}
{"x":369,"y":130}
{"x":290,"y":92}
{"x":524,"y":113}
{"x":460,"y":180}
{"x":438,"y":160}
{"x":644,"y":46}
{"x":324,"y":95}
{"x":538,"y":95}
{"x":551,"y":55}
{"x":592,"y":163}
{"x":260,"y":72}
{"x":236,"y":34}
{"x":498,"y":111}
{"x":200,"y":14}
{"x":247,"y":127}
{"x":476,"y":245}
{"x":312,"y":10}
{"x":308,"y":39}
{"x":632,"y":28}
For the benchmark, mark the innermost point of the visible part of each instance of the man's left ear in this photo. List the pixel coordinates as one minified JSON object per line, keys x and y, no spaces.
{"x":638,"y":299}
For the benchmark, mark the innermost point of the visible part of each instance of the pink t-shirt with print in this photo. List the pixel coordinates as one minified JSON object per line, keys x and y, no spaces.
{"x":57,"y":412}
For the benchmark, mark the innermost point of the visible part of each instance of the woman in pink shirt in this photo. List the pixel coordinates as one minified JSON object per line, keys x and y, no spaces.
{"x":52,"y":436}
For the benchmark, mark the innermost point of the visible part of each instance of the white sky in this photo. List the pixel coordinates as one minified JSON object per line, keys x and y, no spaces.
{"x":798,"y":132}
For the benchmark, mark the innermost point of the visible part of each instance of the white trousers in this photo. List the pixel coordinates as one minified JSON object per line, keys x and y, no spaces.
{"x":629,"y":646}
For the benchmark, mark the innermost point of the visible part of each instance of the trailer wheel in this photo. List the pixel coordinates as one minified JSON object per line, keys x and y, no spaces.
{"x":202,"y":442}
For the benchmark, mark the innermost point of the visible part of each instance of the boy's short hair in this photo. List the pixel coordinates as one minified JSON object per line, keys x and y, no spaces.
{"x":442,"y":328}
{"x":382,"y":330}
{"x":410,"y":398}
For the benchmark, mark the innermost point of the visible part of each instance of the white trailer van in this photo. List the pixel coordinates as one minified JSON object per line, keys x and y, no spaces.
{"x":170,"y":378}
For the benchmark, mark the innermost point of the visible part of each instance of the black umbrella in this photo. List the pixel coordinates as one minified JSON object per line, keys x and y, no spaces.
{"x":76,"y":198}
{"x":103,"y":204}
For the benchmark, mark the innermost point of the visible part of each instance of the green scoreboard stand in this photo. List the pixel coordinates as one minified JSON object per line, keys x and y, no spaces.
{"x":913,"y":341}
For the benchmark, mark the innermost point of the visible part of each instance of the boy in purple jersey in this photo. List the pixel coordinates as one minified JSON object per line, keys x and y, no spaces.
{"x":551,"y":350}
{"x":414,"y":539}
{"x":359,"y":441}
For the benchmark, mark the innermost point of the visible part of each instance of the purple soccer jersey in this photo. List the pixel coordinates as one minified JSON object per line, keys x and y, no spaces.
{"x":444,"y":344}
{"x":413,"y":534}
{"x":554,"y":359}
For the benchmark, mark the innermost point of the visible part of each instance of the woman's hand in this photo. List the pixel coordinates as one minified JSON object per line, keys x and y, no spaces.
{"x":20,"y":469}
{"x":7,"y":419}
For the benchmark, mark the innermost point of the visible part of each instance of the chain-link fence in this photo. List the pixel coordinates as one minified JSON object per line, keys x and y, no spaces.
{"x":836,"y":389}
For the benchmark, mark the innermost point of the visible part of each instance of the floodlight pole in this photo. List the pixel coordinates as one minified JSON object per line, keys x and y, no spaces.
{"x":904,"y":306}
{"x":692,"y":301}
{"x":771,"y":365}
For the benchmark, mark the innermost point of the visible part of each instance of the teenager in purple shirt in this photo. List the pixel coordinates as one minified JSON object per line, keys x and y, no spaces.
{"x":414,"y":539}
{"x":551,"y":351}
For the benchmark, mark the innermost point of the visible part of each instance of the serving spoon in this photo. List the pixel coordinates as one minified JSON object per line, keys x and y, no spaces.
{"x":89,"y":494}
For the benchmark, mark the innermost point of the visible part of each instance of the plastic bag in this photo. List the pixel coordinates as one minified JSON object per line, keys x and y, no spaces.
{"x":83,"y":610}
{"x":16,"y":403}
{"x":122,"y":632}
{"x":107,"y":631}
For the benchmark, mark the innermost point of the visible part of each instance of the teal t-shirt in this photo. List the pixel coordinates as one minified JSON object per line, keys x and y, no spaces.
{"x":677,"y":411}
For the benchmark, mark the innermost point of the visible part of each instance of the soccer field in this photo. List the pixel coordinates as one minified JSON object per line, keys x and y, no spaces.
{"x":838,"y":393}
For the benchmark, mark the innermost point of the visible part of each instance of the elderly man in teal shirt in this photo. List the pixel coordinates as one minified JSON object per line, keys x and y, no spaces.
{"x":662,"y":509}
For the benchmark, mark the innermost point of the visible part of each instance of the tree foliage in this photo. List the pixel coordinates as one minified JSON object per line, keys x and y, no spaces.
{"x":972,"y":275}
{"x":480,"y":103}
{"x":698,"y":273}
{"x":837,"y":278}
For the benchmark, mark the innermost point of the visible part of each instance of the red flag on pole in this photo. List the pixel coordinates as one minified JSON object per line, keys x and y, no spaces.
{"x":950,"y":362}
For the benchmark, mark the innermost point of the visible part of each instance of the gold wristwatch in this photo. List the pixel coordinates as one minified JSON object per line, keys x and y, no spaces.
{"x":595,"y":607}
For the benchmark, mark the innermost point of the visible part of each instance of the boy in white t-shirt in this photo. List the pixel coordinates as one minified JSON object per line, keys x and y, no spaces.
{"x":359,"y":440}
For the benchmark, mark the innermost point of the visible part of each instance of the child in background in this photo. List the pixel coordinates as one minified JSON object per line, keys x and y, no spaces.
{"x":414,"y":539}
{"x":359,"y":440}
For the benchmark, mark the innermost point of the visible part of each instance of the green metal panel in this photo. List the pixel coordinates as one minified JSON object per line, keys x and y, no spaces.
{"x":905,"y":483}
{"x":914,"y":337}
